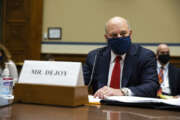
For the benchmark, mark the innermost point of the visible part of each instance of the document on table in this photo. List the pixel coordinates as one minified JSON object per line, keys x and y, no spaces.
{"x":137,"y":101}
{"x":93,"y":100}
{"x":132,"y":99}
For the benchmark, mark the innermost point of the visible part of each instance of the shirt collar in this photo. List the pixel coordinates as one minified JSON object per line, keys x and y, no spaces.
{"x":113,"y":56}
{"x":159,"y":65}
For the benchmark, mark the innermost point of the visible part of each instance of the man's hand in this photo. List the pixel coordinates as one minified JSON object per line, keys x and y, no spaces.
{"x":178,"y":96}
{"x":107,"y":91}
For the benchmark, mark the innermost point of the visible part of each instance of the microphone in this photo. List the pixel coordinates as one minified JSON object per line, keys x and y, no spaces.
{"x":94,"y":66}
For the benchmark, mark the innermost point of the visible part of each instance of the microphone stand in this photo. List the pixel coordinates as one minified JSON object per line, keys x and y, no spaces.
{"x":93,"y":69}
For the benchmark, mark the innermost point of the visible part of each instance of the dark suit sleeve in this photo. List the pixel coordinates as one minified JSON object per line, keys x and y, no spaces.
{"x":147,"y":77}
{"x":178,"y":79}
{"x":175,"y":82}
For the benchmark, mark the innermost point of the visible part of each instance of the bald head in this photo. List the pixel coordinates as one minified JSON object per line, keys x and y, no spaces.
{"x":116,"y":21}
{"x":162,"y":49}
{"x":162,"y":54}
{"x":117,"y":27}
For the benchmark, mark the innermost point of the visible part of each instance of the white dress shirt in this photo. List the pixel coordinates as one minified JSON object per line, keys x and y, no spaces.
{"x":112,"y":63}
{"x":111,"y":66}
{"x":165,"y":84}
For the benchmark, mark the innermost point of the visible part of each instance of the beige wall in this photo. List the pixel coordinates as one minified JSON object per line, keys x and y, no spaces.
{"x":152,"y":21}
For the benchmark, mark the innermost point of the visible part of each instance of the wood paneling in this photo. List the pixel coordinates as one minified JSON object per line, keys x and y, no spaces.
{"x":175,"y":60}
{"x":22,"y":28}
{"x":0,"y":21}
{"x":81,"y":58}
{"x":17,"y":10}
{"x":66,"y":57}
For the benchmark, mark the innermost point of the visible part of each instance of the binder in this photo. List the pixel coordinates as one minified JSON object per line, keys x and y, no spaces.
{"x":142,"y":102}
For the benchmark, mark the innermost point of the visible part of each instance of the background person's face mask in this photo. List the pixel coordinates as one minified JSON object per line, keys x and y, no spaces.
{"x":164,"y":58}
{"x":119,"y":45}
{"x":1,"y":57}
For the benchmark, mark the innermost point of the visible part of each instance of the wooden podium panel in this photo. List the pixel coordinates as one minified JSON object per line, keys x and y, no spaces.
{"x":51,"y":94}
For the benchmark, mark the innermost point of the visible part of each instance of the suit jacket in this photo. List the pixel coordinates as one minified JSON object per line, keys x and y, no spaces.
{"x":139,"y":72}
{"x":174,"y":79}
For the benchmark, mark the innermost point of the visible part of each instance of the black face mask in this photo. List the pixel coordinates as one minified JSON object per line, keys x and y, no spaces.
{"x":120,"y":45}
{"x":164,"y":58}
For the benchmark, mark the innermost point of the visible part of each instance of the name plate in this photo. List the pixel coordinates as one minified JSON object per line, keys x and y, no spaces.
{"x":52,"y":73}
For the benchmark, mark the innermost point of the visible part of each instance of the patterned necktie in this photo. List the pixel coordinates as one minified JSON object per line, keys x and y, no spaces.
{"x":115,"y":78}
{"x":160,"y":76}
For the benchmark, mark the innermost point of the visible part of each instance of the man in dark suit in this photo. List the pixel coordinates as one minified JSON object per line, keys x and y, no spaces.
{"x":121,"y":68}
{"x":170,"y":84}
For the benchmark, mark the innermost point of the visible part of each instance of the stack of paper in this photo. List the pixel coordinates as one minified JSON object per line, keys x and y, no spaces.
{"x":173,"y":103}
{"x":142,"y":102}
{"x":93,"y":100}
{"x":132,"y":99}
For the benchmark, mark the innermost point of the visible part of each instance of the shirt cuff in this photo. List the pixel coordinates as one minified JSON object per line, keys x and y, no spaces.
{"x":127,"y":92}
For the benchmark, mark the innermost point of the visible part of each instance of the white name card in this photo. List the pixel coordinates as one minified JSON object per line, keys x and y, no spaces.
{"x":52,"y":73}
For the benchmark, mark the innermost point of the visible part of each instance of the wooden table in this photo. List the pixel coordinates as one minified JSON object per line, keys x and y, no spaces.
{"x":88,"y":112}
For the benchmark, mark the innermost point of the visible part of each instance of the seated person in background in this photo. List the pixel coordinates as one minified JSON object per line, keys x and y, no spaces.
{"x":5,"y":58}
{"x":169,"y":76}
{"x":121,"y":68}
{"x":49,"y":57}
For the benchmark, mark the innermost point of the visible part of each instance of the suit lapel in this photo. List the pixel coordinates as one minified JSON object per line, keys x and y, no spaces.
{"x":129,"y":63}
{"x":172,"y":78}
{"x":103,"y":63}
{"x":127,"y":70}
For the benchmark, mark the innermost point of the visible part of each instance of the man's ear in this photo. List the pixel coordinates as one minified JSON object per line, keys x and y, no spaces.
{"x":157,"y":54}
{"x":130,"y":34}
{"x":106,"y":37}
